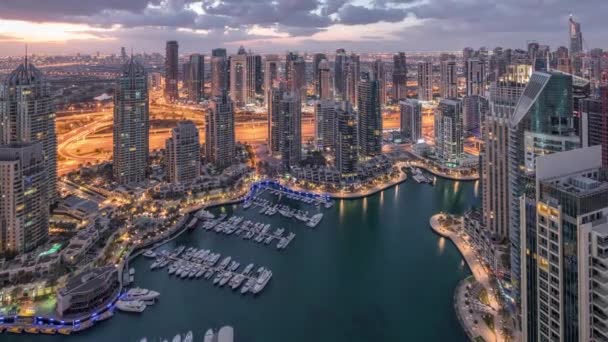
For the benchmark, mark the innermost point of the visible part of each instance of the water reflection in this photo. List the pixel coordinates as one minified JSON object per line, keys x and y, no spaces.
{"x":456,"y":186}
{"x":476,"y":188}
{"x":364,"y":204}
{"x":381,"y":198}
{"x":397,"y":191}
{"x":341,"y":210}
{"x":441,"y":245}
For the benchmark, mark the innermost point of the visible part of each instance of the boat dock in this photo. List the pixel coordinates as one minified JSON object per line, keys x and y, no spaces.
{"x":269,"y":208}
{"x":247,"y":230}
{"x":195,"y":263}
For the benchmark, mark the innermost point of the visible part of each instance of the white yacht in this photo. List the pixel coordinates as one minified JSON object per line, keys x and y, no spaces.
{"x":225,"y":334}
{"x":314,"y":220}
{"x":150,"y":254}
{"x":189,"y":337}
{"x":209,"y":336}
{"x":177,"y":338}
{"x":131,"y":306}
{"x":141,"y":294}
{"x":204,"y":214}
{"x":263,"y":279}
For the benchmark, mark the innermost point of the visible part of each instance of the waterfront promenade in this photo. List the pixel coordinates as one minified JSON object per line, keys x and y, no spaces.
{"x":481,"y":276}
{"x":456,"y":176}
{"x":358,"y":194}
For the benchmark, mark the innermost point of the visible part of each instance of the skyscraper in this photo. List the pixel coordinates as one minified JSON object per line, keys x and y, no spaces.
{"x":449,"y":79}
{"x":243,"y":79}
{"x":380,"y":75}
{"x":316,"y":60}
{"x":425,"y":81}
{"x":325,"y":124}
{"x":541,"y":123}
{"x":295,"y":74}
{"x":196,"y":78}
{"x":275,"y":96}
{"x":347,"y":149}
{"x":411,"y":120}
{"x":182,"y":153}
{"x":290,"y":123}
{"x":219,"y":132}
{"x":475,"y":76}
{"x":131,"y":124}
{"x":24,"y":207}
{"x":576,"y":36}
{"x":340,"y":74}
{"x":504,"y":95}
{"x":323,"y":83}
{"x":370,"y":117}
{"x":271,"y":74}
{"x":474,"y":109}
{"x":449,"y":137}
{"x":352,"y":77}
{"x":576,"y":46}
{"x":171,"y":71}
{"x":219,"y":75}
{"x":27,"y":114}
{"x":594,"y":122}
{"x":399,"y":77}
{"x":569,"y":231}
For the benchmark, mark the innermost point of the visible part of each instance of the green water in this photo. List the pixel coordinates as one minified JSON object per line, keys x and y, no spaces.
{"x":371,"y":271}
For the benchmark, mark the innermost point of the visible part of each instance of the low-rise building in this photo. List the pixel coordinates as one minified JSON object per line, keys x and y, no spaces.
{"x":88,"y":291}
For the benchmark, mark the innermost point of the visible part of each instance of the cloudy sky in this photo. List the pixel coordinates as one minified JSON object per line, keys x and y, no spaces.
{"x":68,"y":26}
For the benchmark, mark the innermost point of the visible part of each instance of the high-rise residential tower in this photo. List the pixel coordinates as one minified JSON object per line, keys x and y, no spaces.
{"x":449,"y":79}
{"x":352,"y":77}
{"x":325,"y":124}
{"x":323,"y":83}
{"x":340,"y":73}
{"x":271,"y":74}
{"x":411,"y":120}
{"x":347,"y":149}
{"x":243,"y":79}
{"x":399,"y":77}
{"x":475,"y":76}
{"x":316,"y":60}
{"x":219,"y":75}
{"x":196,"y":78}
{"x":219,"y":132}
{"x":425,"y":81}
{"x":275,"y":96}
{"x":24,"y":208}
{"x":504,"y":95}
{"x":449,"y":137}
{"x":27,"y":114}
{"x":370,"y":117}
{"x":131,"y":124}
{"x":171,"y":70}
{"x":290,"y":123}
{"x":380,"y":75}
{"x":183,"y":153}
{"x":542,"y":123}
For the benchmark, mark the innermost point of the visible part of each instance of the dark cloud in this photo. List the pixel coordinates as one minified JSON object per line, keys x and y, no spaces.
{"x":441,"y":24}
{"x":358,"y":15}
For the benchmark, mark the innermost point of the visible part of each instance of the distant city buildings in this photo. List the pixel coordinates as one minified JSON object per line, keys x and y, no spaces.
{"x":219,"y":75}
{"x":411,"y":120}
{"x":340,"y":74}
{"x":295,"y":74}
{"x":131,"y":124}
{"x":171,"y":71}
{"x":425,"y":81}
{"x":219,"y":132}
{"x":182,"y":153}
{"x":244,"y":78}
{"x":24,"y":206}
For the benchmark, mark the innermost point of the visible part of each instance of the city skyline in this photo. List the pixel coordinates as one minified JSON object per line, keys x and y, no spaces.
{"x":275,"y":26}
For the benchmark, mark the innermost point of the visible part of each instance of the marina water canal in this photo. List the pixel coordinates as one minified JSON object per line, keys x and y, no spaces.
{"x":372,"y":270}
